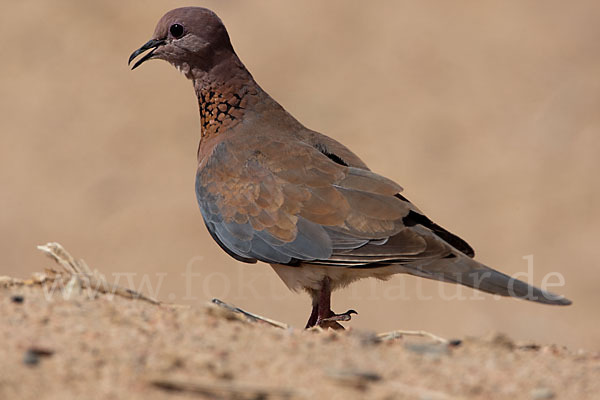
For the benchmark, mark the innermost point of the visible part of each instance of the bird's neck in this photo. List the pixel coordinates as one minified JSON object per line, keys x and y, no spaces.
{"x":227,"y":95}
{"x":224,"y":93}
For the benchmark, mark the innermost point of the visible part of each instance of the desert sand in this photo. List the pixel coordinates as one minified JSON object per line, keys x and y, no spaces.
{"x":63,"y":340}
{"x":66,"y":335}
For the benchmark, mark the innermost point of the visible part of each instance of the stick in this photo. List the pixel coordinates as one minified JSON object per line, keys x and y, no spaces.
{"x":400,"y":333}
{"x":248,"y":315}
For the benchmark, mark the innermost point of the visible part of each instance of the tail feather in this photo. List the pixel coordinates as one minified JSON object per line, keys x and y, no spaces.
{"x":471,"y":273}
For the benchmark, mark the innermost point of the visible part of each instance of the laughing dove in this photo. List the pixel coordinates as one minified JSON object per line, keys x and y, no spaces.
{"x":271,"y":190}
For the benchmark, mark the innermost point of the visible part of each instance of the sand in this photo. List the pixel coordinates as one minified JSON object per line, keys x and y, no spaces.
{"x":74,"y":342}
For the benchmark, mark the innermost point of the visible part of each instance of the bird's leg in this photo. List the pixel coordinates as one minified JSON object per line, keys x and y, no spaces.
{"x":312,"y":320}
{"x":321,"y":314}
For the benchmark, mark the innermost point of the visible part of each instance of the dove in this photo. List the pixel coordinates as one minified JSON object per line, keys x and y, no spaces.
{"x":271,"y":190}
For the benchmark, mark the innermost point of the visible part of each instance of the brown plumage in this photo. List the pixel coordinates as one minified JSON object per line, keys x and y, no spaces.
{"x":271,"y":190}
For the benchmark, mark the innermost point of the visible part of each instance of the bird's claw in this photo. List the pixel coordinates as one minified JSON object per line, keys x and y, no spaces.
{"x":332,"y":320}
{"x":347,"y":316}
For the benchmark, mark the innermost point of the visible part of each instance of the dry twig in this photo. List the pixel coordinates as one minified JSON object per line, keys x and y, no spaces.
{"x":80,"y":275}
{"x":400,"y":333}
{"x":222,"y":390}
{"x":248,"y":316}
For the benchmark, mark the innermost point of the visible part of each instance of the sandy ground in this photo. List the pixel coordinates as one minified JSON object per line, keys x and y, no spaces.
{"x":78,"y":344}
{"x":486,"y":113}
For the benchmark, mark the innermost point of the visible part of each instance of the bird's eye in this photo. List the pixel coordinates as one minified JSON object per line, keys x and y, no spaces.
{"x":176,"y":30}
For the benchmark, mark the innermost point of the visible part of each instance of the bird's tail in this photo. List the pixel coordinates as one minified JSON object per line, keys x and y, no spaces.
{"x":471,"y":273}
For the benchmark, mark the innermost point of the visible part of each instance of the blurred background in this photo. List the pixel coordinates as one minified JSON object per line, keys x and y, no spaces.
{"x":487,"y":113}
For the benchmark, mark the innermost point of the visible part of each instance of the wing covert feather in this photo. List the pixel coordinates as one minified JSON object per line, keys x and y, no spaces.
{"x":280,"y":209}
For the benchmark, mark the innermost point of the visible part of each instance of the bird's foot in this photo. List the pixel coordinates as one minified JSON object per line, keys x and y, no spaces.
{"x":332,"y":320}
{"x":347,"y":316}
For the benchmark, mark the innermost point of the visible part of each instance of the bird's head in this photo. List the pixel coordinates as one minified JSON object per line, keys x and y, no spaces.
{"x":190,"y":38}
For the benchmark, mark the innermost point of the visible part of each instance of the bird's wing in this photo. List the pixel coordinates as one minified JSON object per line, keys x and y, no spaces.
{"x":289,"y":203}
{"x":286,"y":202}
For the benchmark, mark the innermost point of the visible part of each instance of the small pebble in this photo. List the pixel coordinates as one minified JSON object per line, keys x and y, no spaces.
{"x":17,"y":298}
{"x":437,"y":349}
{"x":33,"y":355}
{"x":542,"y":393}
{"x":359,"y":379}
{"x":31,"y":358}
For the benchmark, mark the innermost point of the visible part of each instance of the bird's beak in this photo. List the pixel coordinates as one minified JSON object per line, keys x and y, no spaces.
{"x":151,"y":44}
